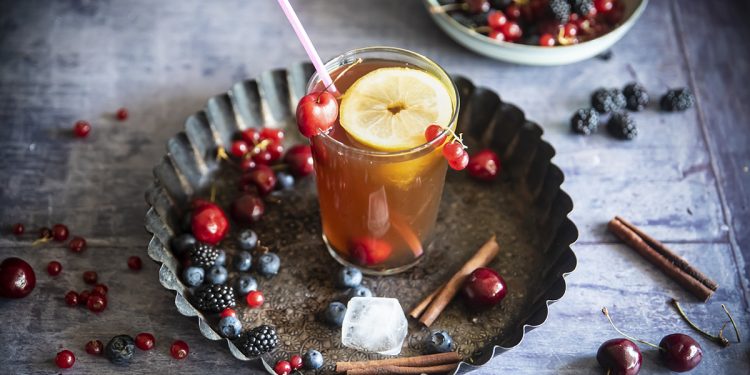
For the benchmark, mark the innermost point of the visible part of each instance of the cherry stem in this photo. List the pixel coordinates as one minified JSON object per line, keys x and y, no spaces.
{"x":213,"y":193}
{"x":736,"y":331}
{"x":359,"y":60}
{"x":221,"y":153}
{"x":718,"y":339}
{"x":42,"y":240}
{"x":606,"y":313}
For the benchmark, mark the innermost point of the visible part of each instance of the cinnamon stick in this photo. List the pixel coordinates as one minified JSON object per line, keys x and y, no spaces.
{"x":671,"y":264}
{"x":417,"y":361}
{"x":483,"y":256}
{"x":439,"y":369}
{"x":422,"y":306}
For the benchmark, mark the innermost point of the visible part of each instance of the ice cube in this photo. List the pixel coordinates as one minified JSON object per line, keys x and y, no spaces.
{"x":374,"y":324}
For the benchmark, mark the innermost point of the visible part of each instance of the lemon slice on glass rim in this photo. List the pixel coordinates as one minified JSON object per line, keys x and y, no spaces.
{"x":389,"y":109}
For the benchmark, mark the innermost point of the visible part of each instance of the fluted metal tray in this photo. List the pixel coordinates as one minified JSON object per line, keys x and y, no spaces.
{"x":525,"y":208}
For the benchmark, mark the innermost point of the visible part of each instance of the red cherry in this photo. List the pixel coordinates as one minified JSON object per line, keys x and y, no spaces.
{"x":511,"y":31}
{"x":460,"y":163}
{"x":300,"y":160}
{"x":547,"y":40}
{"x":18,"y":229}
{"x":17,"y":278}
{"x":453,"y":150}
{"x":71,"y":298}
{"x":282,"y":368}
{"x":96,"y":303}
{"x":484,"y":288}
{"x":81,"y":129}
{"x":59,"y":232}
{"x":316,"y":113}
{"x":209,"y":224}
{"x":255,"y":299}
{"x":620,"y":356}
{"x":497,"y":35}
{"x":496,"y":19}
{"x":513,"y":12}
{"x":263,"y":157}
{"x":54,"y":268}
{"x":370,"y":251}
{"x":484,"y":165}
{"x":680,"y":352}
{"x":83,"y":297}
{"x":275,"y":149}
{"x":272,"y":134}
{"x":263,"y":178}
{"x":135,"y":263}
{"x":122,"y":114}
{"x":228,"y":312}
{"x":94,"y":347}
{"x":77,"y":244}
{"x":296,"y":362}
{"x":248,"y":208}
{"x":179,"y":349}
{"x":65,"y":359}
{"x":603,"y":6}
{"x":145,"y":341}
{"x":90,"y":277}
{"x":238,"y":149}
{"x":100,"y":289}
{"x":247,"y":164}
{"x":251,"y":136}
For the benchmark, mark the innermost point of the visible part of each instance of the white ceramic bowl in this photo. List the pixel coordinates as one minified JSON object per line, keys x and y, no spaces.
{"x":535,"y":55}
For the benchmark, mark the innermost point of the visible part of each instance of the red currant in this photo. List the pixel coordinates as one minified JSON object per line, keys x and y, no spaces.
{"x":453,"y":150}
{"x":71,"y":298}
{"x":239,"y":149}
{"x":433,"y":131}
{"x":547,"y":40}
{"x":316,"y":113}
{"x":511,"y":31}
{"x":179,"y":349}
{"x":296,"y":362}
{"x":484,"y":165}
{"x":59,"y":232}
{"x":251,"y":136}
{"x":459,"y":163}
{"x":90,"y":277}
{"x":122,"y":114}
{"x":135,"y":263}
{"x":603,"y":6}
{"x":77,"y":244}
{"x":282,"y":368}
{"x":54,"y":268}
{"x":228,"y":312}
{"x":65,"y":359}
{"x":497,"y":35}
{"x":272,"y":134}
{"x":94,"y":347}
{"x":263,"y":178}
{"x":96,"y":303}
{"x":145,"y":341}
{"x":248,"y":208}
{"x":496,"y":19}
{"x":300,"y":160}
{"x":18,"y":229}
{"x":82,"y":129}
{"x":570,"y":30}
{"x":513,"y":12}
{"x":255,"y":299}
{"x":263,"y":157}
{"x":370,"y":251}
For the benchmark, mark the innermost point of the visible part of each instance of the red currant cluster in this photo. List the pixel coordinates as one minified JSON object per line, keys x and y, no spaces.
{"x":484,"y":165}
{"x":286,"y":367}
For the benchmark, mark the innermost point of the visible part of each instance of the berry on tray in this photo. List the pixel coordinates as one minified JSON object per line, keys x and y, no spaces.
{"x":17,"y":278}
{"x":677,"y":99}
{"x":179,"y":349}
{"x":608,"y":100}
{"x":217,"y":275}
{"x":182,"y":244}
{"x":636,"y":96}
{"x":334,"y":314}
{"x":348,"y":277}
{"x":230,"y":327}
{"x":484,"y":288}
{"x":438,"y":342}
{"x":245,"y":284}
{"x":282,"y":368}
{"x":622,"y":125}
{"x":203,"y":255}
{"x":585,"y":121}
{"x":284,"y":181}
{"x":209,"y":223}
{"x":145,"y":341}
{"x":255,"y":299}
{"x":300,"y":161}
{"x":259,"y":340}
{"x":248,"y":208}
{"x":243,"y":261}
{"x":268,"y":264}
{"x":560,"y":10}
{"x":484,"y":165}
{"x":358,"y":291}
{"x":247,"y":239}
{"x":620,"y":356}
{"x":228,"y":312}
{"x":65,"y":359}
{"x":296,"y":362}
{"x":263,"y":178}
{"x":312,"y":360}
{"x":94,"y":347}
{"x":120,"y":349}
{"x":214,"y":298}
{"x":193,"y":276}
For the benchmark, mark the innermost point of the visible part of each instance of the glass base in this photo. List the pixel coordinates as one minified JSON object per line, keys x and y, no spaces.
{"x":367,"y":271}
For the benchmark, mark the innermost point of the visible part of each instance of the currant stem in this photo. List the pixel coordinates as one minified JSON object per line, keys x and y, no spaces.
{"x":606,"y":313}
{"x":42,"y":240}
{"x":718,"y":339}
{"x":736,"y":331}
{"x":457,"y":137}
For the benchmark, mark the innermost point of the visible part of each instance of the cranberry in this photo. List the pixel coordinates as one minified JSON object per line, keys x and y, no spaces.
{"x":100,"y":289}
{"x":251,"y":136}
{"x":54,"y":268}
{"x":282,"y":368}
{"x":619,"y":357}
{"x":255,"y":299}
{"x":45,"y":233}
{"x":484,"y":288}
{"x":59,"y":232}
{"x":122,"y":114}
{"x":94,"y":347}
{"x":96,"y":303}
{"x":603,"y":6}
{"x":209,"y":224}
{"x":247,"y":164}
{"x":17,"y":278}
{"x":83,"y":297}
{"x":82,"y":129}
{"x":228,"y":312}
{"x":296,"y":362}
{"x":263,"y":178}
{"x":370,"y":251}
{"x":547,"y":40}
{"x":511,"y":31}
{"x":145,"y":341}
{"x":513,"y":12}
{"x":71,"y":298}
{"x":300,"y":160}
{"x":179,"y":349}
{"x":316,"y":113}
{"x":65,"y":359}
{"x":680,"y":352}
{"x":460,"y":163}
{"x":248,"y":208}
{"x":496,"y":19}
{"x":90,"y":277}
{"x":135,"y":263}
{"x":484,"y":165}
{"x":272,"y":134}
{"x":239,"y":149}
{"x":77,"y":244}
{"x":18,"y":229}
{"x":433,"y":131}
{"x":275,"y":149}
{"x":497,"y":35}
{"x":263,"y":157}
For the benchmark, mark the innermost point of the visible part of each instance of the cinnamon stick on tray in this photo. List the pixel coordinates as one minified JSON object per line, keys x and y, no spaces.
{"x":439,"y":369}
{"x":673,"y":265}
{"x":421,"y":361}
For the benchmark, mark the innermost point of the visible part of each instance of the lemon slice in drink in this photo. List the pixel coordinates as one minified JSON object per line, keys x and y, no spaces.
{"x":388,"y":109}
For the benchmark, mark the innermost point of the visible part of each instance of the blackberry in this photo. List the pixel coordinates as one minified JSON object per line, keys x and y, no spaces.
{"x":585,"y":121}
{"x":203,"y":255}
{"x":605,"y":101}
{"x":560,"y":9}
{"x":582,"y":7}
{"x":677,"y":99}
{"x":214,"y":297}
{"x":622,"y":126}
{"x":636,"y":97}
{"x":259,"y":340}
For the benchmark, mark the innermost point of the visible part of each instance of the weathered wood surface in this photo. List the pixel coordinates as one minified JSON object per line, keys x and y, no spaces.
{"x":685,"y":180}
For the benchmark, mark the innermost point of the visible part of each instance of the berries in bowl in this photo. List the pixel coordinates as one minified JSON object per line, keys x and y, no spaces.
{"x":536,"y":32}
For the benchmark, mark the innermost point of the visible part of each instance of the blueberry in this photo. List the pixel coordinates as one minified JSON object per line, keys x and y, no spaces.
{"x":268,"y":264}
{"x":217,"y":275}
{"x":221,"y":260}
{"x":182,"y":243}
{"x":348,"y":277}
{"x":230,"y":327}
{"x":247,"y":239}
{"x":438,"y":342}
{"x":243,"y":261}
{"x":334,"y":314}
{"x":245,"y":284}
{"x":120,"y":349}
{"x":193,"y":276}
{"x":358,"y":291}
{"x":312,"y":360}
{"x":284,"y":181}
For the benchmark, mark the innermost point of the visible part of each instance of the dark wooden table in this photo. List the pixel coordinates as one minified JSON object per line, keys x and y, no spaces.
{"x":685,"y":180}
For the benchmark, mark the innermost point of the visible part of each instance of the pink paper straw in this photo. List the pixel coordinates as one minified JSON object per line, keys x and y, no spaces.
{"x":307,"y":43}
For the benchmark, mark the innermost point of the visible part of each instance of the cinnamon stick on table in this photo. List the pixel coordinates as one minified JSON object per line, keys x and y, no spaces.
{"x":420,"y":361}
{"x":668,"y":262}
